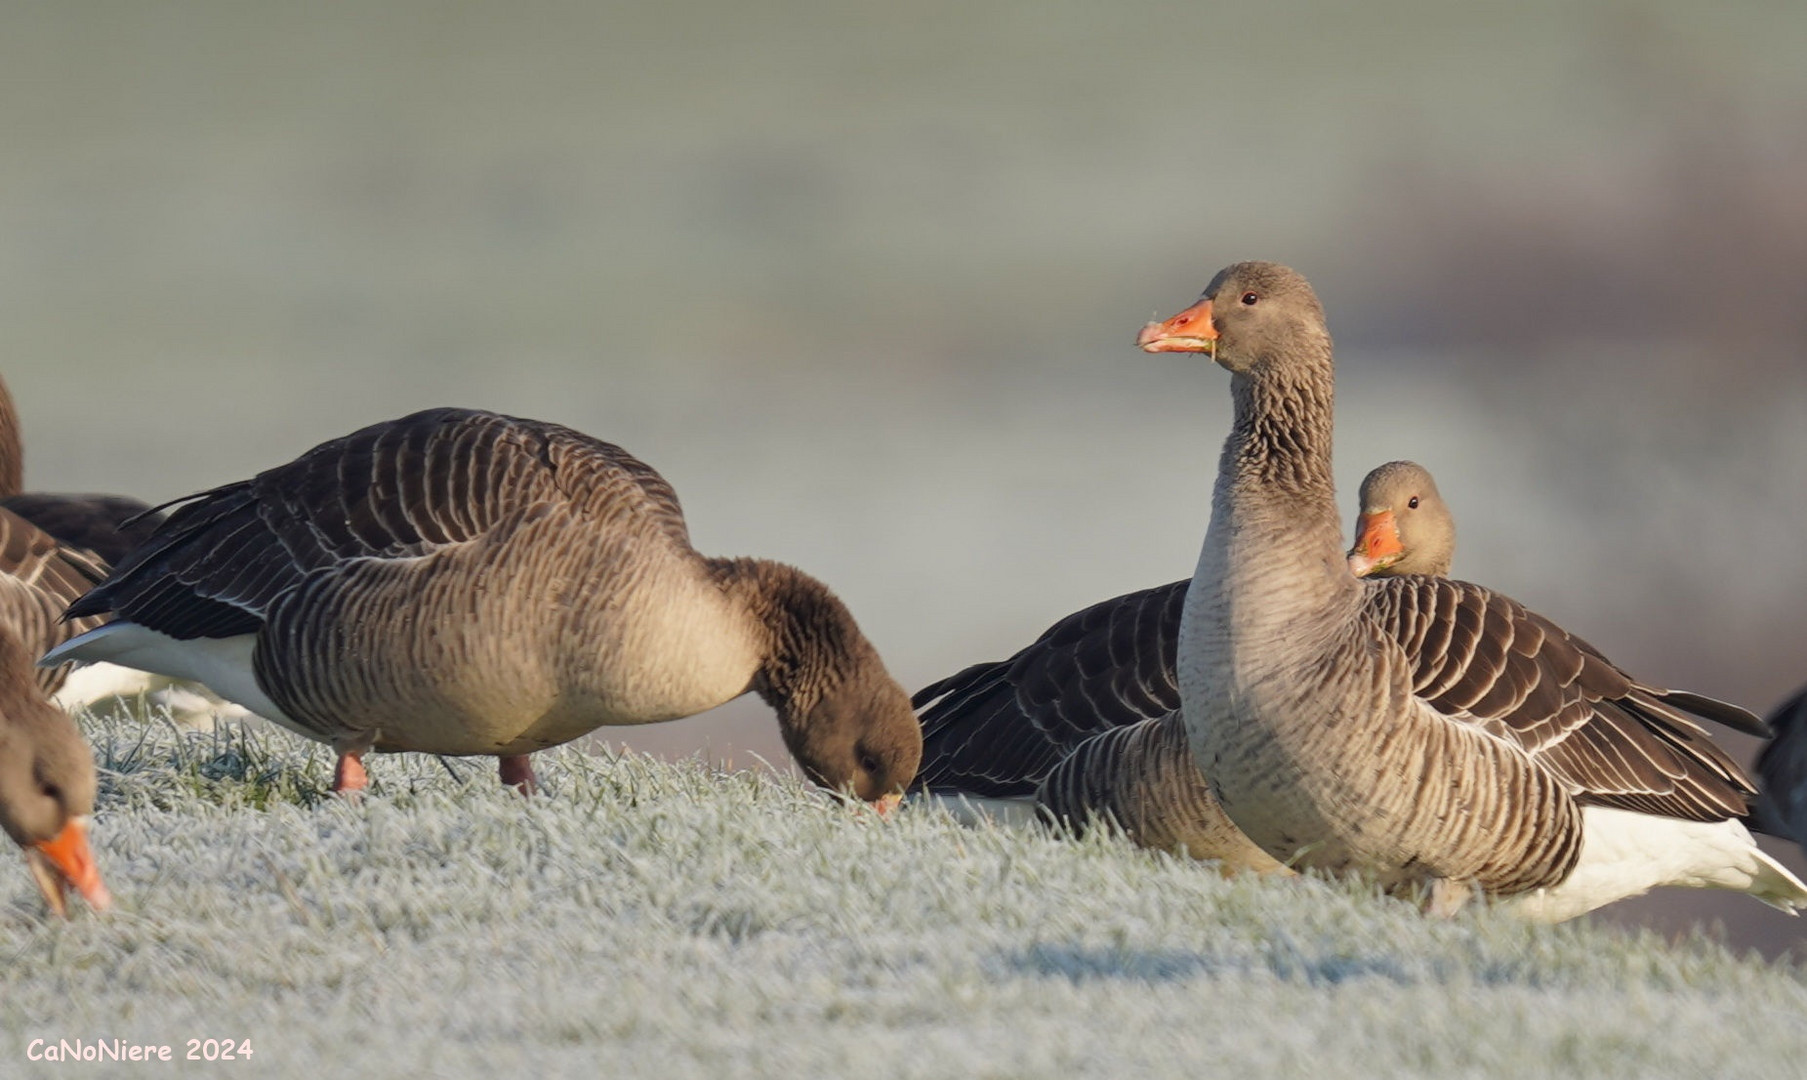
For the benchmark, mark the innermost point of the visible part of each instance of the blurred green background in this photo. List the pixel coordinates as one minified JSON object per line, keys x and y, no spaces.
{"x":861,"y":279}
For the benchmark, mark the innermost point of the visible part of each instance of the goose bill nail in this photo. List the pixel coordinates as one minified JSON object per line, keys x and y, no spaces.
{"x":67,"y":859}
{"x":1190,"y":331}
{"x":1378,"y":545}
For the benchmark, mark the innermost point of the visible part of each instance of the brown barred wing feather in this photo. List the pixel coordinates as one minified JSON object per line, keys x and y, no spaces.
{"x":1482,"y":658}
{"x":395,"y":490}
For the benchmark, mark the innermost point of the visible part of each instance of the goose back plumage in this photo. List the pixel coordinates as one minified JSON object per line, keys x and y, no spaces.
{"x":331,"y":560}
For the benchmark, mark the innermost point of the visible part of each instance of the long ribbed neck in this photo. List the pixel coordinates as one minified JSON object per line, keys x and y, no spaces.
{"x":12,"y":447}
{"x":1280,"y":442}
{"x":1274,"y":549}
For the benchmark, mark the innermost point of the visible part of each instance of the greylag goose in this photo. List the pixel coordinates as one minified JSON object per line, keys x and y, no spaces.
{"x":46,"y":785}
{"x":460,"y":582}
{"x":1781,"y":809}
{"x":1431,"y":734}
{"x":1084,"y":723}
{"x":107,"y":525}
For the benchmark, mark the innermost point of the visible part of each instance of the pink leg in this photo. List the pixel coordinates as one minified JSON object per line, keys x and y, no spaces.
{"x":517,"y":773}
{"x":349,"y":775}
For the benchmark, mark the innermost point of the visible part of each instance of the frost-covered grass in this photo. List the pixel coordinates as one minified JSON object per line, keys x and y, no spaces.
{"x":646,"y":918}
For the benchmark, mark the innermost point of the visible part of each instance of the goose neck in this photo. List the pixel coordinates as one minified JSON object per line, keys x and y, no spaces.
{"x":806,"y":637}
{"x":1275,"y":540}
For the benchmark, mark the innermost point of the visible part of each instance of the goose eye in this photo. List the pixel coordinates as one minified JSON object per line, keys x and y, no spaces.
{"x":1249,"y":298}
{"x":1412,"y":503}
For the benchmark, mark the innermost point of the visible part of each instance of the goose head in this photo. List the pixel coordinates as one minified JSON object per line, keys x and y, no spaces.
{"x":844,"y":718}
{"x":859,"y":737}
{"x":1404,"y":526}
{"x":46,"y":795}
{"x":1252,"y":315}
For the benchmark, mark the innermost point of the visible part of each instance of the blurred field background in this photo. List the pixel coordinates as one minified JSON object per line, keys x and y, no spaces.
{"x":861,"y":280}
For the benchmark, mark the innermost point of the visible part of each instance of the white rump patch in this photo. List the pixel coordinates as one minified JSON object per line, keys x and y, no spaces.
{"x":1625,"y":853}
{"x":223,"y":665}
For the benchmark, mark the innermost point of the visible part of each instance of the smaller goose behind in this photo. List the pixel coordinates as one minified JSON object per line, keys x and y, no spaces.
{"x":1404,"y":526}
{"x":46,"y":785}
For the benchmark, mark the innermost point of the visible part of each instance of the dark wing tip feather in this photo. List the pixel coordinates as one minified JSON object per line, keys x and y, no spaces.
{"x":1720,"y":712}
{"x":1611,"y":740}
{"x":998,"y":728}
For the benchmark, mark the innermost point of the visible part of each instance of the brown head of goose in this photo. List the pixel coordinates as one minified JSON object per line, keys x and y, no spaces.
{"x":46,"y":785}
{"x":1422,"y":731}
{"x":460,"y":582}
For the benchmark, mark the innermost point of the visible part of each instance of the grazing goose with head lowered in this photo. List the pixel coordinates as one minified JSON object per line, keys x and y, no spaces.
{"x":1084,"y":723}
{"x":1428,"y":733}
{"x":459,"y":582}
{"x":46,"y":784}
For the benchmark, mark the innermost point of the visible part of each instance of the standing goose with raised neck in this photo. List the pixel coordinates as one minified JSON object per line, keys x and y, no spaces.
{"x":1083,"y":725}
{"x":46,"y":785}
{"x":460,"y":582}
{"x":1436,"y":735}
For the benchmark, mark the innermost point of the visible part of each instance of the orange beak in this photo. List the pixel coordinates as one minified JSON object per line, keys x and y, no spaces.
{"x":65,"y":861}
{"x":1189,"y":331}
{"x":1377,"y":543}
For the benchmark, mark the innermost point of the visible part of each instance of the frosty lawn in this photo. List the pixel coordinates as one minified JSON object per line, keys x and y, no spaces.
{"x":645,"y":918}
